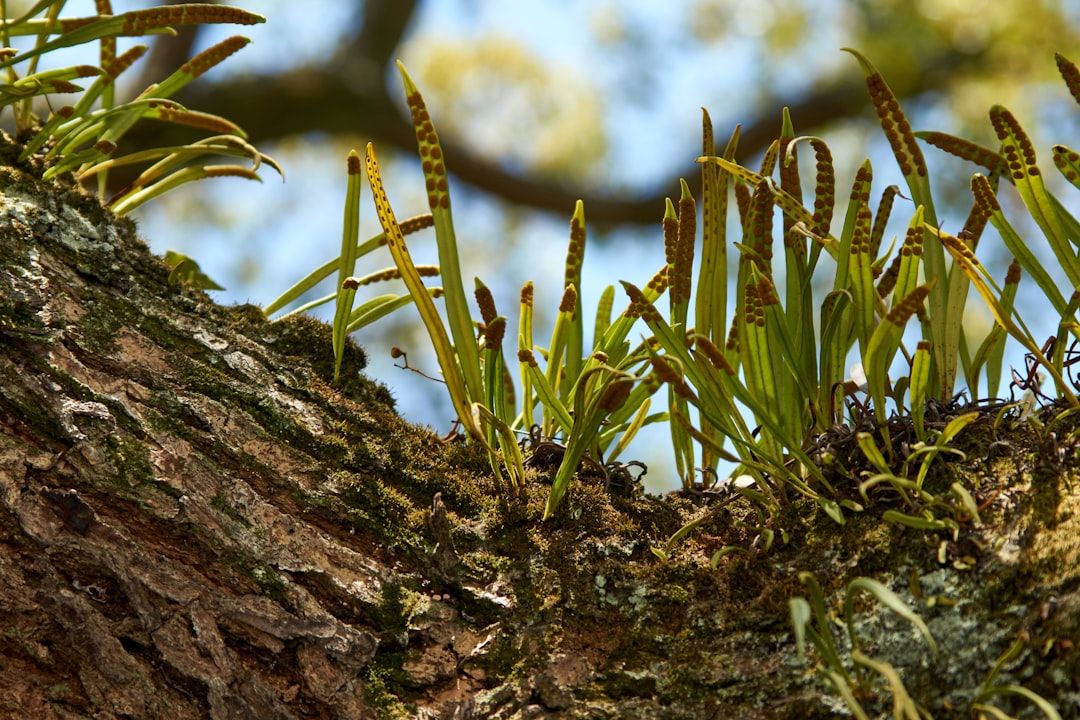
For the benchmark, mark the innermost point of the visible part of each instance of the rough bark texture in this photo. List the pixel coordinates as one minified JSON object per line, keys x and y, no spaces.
{"x":194,"y":523}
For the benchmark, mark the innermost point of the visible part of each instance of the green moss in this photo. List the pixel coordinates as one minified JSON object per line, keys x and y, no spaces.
{"x":381,"y":509}
{"x":129,"y":460}
{"x":311,"y":339}
{"x":382,"y":699}
{"x":392,"y":613}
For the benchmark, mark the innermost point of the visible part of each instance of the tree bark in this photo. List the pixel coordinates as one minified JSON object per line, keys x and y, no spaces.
{"x":194,"y":523}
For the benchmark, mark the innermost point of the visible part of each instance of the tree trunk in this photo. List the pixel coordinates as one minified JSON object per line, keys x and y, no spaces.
{"x":194,"y":523}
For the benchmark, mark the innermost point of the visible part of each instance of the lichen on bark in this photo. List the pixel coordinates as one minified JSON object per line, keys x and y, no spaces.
{"x":195,"y":523}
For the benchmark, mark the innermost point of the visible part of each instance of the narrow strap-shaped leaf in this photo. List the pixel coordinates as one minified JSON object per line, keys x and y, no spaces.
{"x":991,"y":351}
{"x":105,"y":129}
{"x":824,"y":190}
{"x":884,"y":343}
{"x":44,"y":83}
{"x":975,"y":272}
{"x":556,"y":370}
{"x":967,"y":502}
{"x":826,"y":645}
{"x":967,"y":150}
{"x":941,"y":442}
{"x":138,"y":22}
{"x":342,"y":311}
{"x":711,"y":300}
{"x":898,"y":132}
{"x":492,"y":331}
{"x":904,"y":708}
{"x":1020,"y":155}
{"x":172,"y":157}
{"x":861,"y":276}
{"x":782,"y":198}
{"x":679,"y":230}
{"x":630,"y":432}
{"x":553,"y":406}
{"x":176,"y":179}
{"x":789,"y":160}
{"x":1044,"y":706}
{"x":197,"y":66}
{"x":604,"y":389}
{"x":797,"y":321}
{"x":859,"y":196}
{"x":433,"y":164}
{"x":889,"y":599}
{"x":907,"y":260}
{"x":768,"y":160}
{"x":511,"y":451}
{"x":575,"y":254}
{"x":1070,"y":73}
{"x":1068,"y":162}
{"x":836,"y":340}
{"x":444,"y":351}
{"x":881,"y":218}
{"x":918,"y":387}
{"x":525,"y":342}
{"x":603,"y":315}
{"x":681,"y":442}
{"x":350,"y":232}
{"x":617,"y":332}
{"x":985,"y":198}
{"x":498,"y":395}
{"x":681,"y":269}
{"x":380,"y":306}
{"x":717,"y":400}
{"x":909,"y":157}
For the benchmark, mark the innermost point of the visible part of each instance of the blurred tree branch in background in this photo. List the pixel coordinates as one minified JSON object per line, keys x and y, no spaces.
{"x":347,"y":94}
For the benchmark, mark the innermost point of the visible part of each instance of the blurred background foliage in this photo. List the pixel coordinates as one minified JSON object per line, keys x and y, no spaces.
{"x":541,"y":103}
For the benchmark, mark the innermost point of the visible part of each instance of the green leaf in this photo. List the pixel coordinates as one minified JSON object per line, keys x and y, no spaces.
{"x":1020,"y":154}
{"x":918,"y":522}
{"x":1039,"y":701}
{"x":140,"y":22}
{"x":347,"y":261}
{"x":711,"y":298}
{"x":379,"y":307}
{"x":1019,"y":247}
{"x":800,"y":620}
{"x":887,"y":598}
{"x":967,"y":503}
{"x":904,"y":708}
{"x":884,"y":343}
{"x":176,"y":179}
{"x":575,"y":254}
{"x":909,"y":157}
{"x":452,"y":375}
{"x":601,"y":391}
{"x":457,"y":308}
{"x":603,"y":315}
{"x":974,"y":270}
{"x":185,"y":271}
{"x":920,"y":379}
{"x":511,"y":451}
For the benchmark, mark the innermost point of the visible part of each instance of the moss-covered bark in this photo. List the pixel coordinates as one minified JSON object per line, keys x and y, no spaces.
{"x":194,"y":523}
